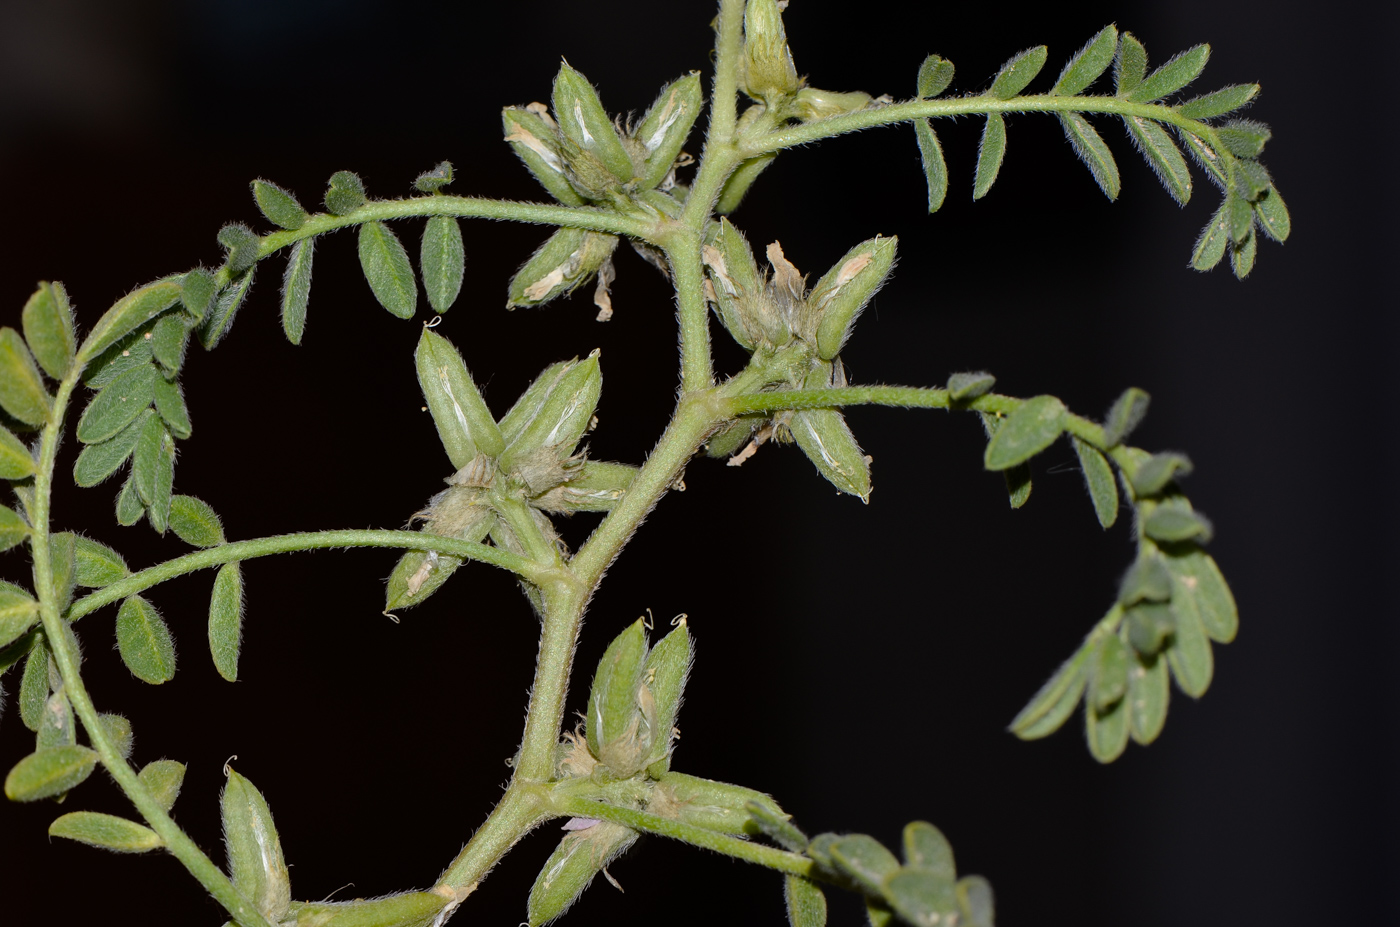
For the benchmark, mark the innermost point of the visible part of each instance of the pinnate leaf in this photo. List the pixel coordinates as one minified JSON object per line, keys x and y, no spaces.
{"x":1033,"y":427}
{"x":226,"y":620}
{"x":16,"y":462}
{"x":1087,"y":64}
{"x":296,"y":289}
{"x":22,"y":392}
{"x":989,"y":155}
{"x":386,"y":267}
{"x":48,"y":328}
{"x":1172,"y":76}
{"x":1092,"y":150}
{"x":442,"y":260}
{"x":1018,"y":72}
{"x":106,"y":832}
{"x":195,"y":522}
{"x":49,"y":772}
{"x":144,"y":641}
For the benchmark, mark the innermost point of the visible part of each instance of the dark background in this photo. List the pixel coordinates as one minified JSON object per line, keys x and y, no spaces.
{"x":861,"y":663}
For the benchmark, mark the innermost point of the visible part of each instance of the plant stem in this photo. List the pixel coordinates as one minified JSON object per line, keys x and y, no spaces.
{"x":180,"y":845}
{"x":737,"y":847}
{"x":789,"y":136}
{"x":311,"y":540}
{"x":729,"y":49}
{"x":697,"y":371}
{"x":518,"y":811}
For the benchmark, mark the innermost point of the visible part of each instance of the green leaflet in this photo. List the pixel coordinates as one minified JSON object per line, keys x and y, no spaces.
{"x":464,"y":423}
{"x":976,"y":902}
{"x":131,"y":312}
{"x":926,"y":848}
{"x":1244,"y":138}
{"x":1175,"y":523}
{"x":442,"y":259}
{"x":1242,"y":255}
{"x":1087,"y":64}
{"x":1195,"y":574}
{"x":1056,"y":700}
{"x":1018,"y":484}
{"x":1108,"y":682}
{"x":1154,"y":474}
{"x":1240,"y":217}
{"x":163,"y":779}
{"x":96,"y":462}
{"x":1210,"y":246}
{"x":434,"y":180}
{"x":226,"y":620}
{"x":666,"y":125}
{"x":135,"y":350}
{"x":1252,"y":179}
{"x":118,"y":732}
{"x":220,"y":319}
{"x":130,"y":508}
{"x":16,"y":462}
{"x":806,"y":905}
{"x":827,"y":441}
{"x":935,"y":74}
{"x":170,"y":403}
{"x":1149,"y":625}
{"x":197,"y":292}
{"x":989,"y":155}
{"x":1172,"y":76}
{"x":1106,"y":733}
{"x":241,"y":245}
{"x":1126,"y":413}
{"x":144,"y":642}
{"x":279,"y":206}
{"x":845,"y":290}
{"x":1090,"y":146}
{"x":146,"y":459}
{"x":1189,"y":655}
{"x":195,"y":522}
{"x":96,"y":565}
{"x":34,"y":685}
{"x":106,"y":832}
{"x":864,"y":859}
{"x":169,"y":338}
{"x":13,"y":528}
{"x":1130,"y":66}
{"x":254,"y":851}
{"x":49,"y":772}
{"x":386,"y":267}
{"x":63,"y":566}
{"x":1273,"y":215}
{"x":1161,"y":155}
{"x":921,"y":898}
{"x":345,"y":193}
{"x":613,"y":722}
{"x":583,"y":120}
{"x":296,"y":289}
{"x":1099,"y":480}
{"x":1147,"y":580}
{"x":965,"y":387}
{"x":580,"y":856}
{"x":1225,"y":100}
{"x":158,"y":511}
{"x":22,"y":392}
{"x":935,"y":167}
{"x":118,"y":404}
{"x":18,"y":612}
{"x":1149,"y":692}
{"x":48,"y":328}
{"x":877,"y":913}
{"x":1033,"y":427}
{"x":1018,"y":72}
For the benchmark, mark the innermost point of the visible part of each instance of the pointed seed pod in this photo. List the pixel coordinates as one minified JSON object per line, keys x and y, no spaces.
{"x":254,"y":850}
{"x":409,"y":909}
{"x":811,"y":104}
{"x":846,"y":289}
{"x":769,"y":72}
{"x":614,"y":722}
{"x":571,"y":867}
{"x":464,"y":423}
{"x":664,"y":677}
{"x":563,"y":416}
{"x":583,"y":121}
{"x":420,"y":573}
{"x":534,"y":138}
{"x":599,"y":488}
{"x":665,"y":127}
{"x":567,"y":260}
{"x":48,"y":328}
{"x":717,"y":806}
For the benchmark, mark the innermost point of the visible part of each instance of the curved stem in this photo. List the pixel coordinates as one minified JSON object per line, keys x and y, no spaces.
{"x":310,"y":540}
{"x":729,"y":49}
{"x":180,"y":845}
{"x":737,"y":847}
{"x":788,"y":136}
{"x":697,"y":370}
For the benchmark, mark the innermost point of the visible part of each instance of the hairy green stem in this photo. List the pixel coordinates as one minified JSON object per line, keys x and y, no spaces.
{"x":729,"y":52}
{"x":868,"y":118}
{"x":737,"y":847}
{"x":310,"y":540}
{"x":180,"y":845}
{"x":697,"y":370}
{"x":518,"y":811}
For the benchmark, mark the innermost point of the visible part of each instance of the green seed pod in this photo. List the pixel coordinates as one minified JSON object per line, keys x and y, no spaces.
{"x":410,"y":909}
{"x":1148,"y":694}
{"x":846,"y":289}
{"x":106,"y":832}
{"x":811,"y":104}
{"x":769,"y":73}
{"x":49,"y":772}
{"x":279,"y":206}
{"x":828,"y":443}
{"x":56,"y":725}
{"x":664,"y":128}
{"x":434,"y":180}
{"x":144,"y":642}
{"x":563,"y":416}
{"x":420,"y":573}
{"x":48,"y":328}
{"x":566,"y":261}
{"x":579,"y":857}
{"x":22,"y":392}
{"x":163,"y":779}
{"x":716,"y":806}
{"x":226,"y":620}
{"x":733,"y":436}
{"x":528,"y":405}
{"x":921,"y":898}
{"x":13,"y":528}
{"x":663,"y":679}
{"x":254,"y":851}
{"x":598,"y":487}
{"x":534,"y":137}
{"x":583,"y":121}
{"x":614,"y":725}
{"x":464,"y":424}
{"x":195,"y":522}
{"x":735,"y":283}
{"x":345,"y":193}
{"x":865,"y":860}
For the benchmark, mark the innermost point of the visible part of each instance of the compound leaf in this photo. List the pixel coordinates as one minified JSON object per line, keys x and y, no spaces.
{"x":1018,"y":72}
{"x":106,"y":832}
{"x":22,"y":392}
{"x":144,"y":642}
{"x":1092,"y":150}
{"x":296,"y":289}
{"x":989,"y":155}
{"x":1161,"y":155}
{"x":49,"y":772}
{"x":442,"y":260}
{"x":226,"y":620}
{"x":1172,"y":76}
{"x":1087,"y":64}
{"x":386,"y":267}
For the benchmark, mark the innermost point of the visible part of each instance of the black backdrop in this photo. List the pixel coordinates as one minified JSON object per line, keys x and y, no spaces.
{"x":859,"y":662}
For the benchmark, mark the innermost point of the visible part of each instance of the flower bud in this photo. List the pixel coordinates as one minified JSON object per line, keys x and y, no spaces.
{"x":564,"y":415}
{"x":464,"y":423}
{"x":846,"y":289}
{"x":663,"y":682}
{"x":583,"y":121}
{"x":663,"y":130}
{"x":535,"y":139}
{"x":580,"y":856}
{"x":616,"y":730}
{"x":563,"y":263}
{"x":769,"y":73}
